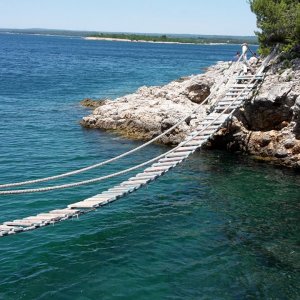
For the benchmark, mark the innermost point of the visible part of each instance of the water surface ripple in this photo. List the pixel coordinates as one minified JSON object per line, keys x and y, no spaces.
{"x":219,"y":226}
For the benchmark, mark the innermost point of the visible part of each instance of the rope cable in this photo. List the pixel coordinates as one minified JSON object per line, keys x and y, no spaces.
{"x":27,"y":182}
{"x":44,"y":189}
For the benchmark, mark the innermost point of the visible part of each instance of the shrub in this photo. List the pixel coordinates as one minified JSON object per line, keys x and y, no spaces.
{"x":279,"y":22}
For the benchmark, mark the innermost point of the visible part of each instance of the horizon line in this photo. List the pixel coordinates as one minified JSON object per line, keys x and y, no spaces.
{"x":127,"y":32}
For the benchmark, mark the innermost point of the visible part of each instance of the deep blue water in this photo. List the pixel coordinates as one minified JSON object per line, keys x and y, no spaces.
{"x":220,"y":226}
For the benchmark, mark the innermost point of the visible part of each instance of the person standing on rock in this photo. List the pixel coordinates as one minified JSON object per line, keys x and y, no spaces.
{"x":244,"y":59}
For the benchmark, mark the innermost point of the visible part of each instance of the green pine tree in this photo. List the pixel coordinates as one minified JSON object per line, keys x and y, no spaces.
{"x":278,"y":21}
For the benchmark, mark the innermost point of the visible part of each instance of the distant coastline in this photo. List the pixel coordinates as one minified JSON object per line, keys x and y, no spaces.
{"x":91,"y":38}
{"x":138,"y":37}
{"x":168,"y":39}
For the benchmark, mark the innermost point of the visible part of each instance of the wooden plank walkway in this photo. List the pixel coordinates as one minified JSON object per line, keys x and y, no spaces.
{"x":235,"y":95}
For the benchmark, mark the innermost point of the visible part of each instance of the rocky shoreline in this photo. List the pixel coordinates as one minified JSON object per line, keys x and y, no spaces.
{"x":267,"y":126}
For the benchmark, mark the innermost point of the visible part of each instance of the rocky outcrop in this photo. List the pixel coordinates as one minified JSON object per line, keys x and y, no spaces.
{"x":266,"y":126}
{"x":151,"y":110}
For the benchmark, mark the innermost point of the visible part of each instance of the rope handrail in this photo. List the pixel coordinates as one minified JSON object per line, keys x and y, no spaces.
{"x":34,"y":181}
{"x":89,"y":181}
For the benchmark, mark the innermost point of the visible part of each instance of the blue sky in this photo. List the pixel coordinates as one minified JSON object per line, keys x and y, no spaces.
{"x":226,"y":17}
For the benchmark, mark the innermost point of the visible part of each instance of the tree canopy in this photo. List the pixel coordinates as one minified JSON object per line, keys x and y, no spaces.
{"x":278,"y":21}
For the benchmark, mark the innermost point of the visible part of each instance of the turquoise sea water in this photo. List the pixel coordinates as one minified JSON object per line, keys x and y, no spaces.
{"x":220,"y":226}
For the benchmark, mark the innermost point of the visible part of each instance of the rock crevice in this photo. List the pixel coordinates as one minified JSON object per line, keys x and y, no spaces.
{"x":267,"y":126}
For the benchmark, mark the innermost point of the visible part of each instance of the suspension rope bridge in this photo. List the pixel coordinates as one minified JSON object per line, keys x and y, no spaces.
{"x":237,"y":90}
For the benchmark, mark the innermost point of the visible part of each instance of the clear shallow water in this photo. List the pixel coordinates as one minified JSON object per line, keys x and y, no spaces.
{"x":217,"y":227}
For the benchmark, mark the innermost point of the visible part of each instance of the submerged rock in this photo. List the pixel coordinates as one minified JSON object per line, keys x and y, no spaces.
{"x":91,"y":103}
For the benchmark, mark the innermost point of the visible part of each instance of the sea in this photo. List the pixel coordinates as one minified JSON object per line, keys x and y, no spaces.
{"x":219,"y":226}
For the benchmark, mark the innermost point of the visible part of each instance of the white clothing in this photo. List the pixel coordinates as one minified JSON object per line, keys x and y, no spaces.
{"x":244,"y":49}
{"x":244,"y":58}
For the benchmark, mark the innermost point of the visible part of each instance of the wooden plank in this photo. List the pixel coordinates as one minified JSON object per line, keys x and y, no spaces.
{"x":100,"y":197}
{"x":206,"y":130}
{"x":233,"y":98}
{"x":227,"y":103}
{"x":200,"y":137}
{"x":139,"y":181}
{"x":149,"y":177}
{"x":178,"y":154}
{"x":171,"y":159}
{"x":130,"y":184}
{"x":67,"y":212}
{"x":83,"y":204}
{"x":208,"y":122}
{"x":196,"y":143}
{"x":50,"y":216}
{"x":130,"y":188}
{"x":237,"y":103}
{"x":23,"y":223}
{"x":186,"y":148}
{"x":165,"y":164}
{"x":203,"y":125}
{"x":200,"y":128}
{"x":203,"y":136}
{"x":152,"y":175}
{"x":144,"y":176}
{"x":242,"y":85}
{"x":40,"y":220}
{"x":154,"y":169}
{"x":121,"y":189}
{"x":100,"y":201}
{"x":10,"y":228}
{"x":226,"y":106}
{"x":118,"y":188}
{"x":220,"y":108}
{"x":237,"y":96}
{"x":238,"y":90}
{"x":90,"y":200}
{"x":216,"y":116}
{"x":122,"y":193}
{"x":249,"y":77}
{"x":111,"y":194}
